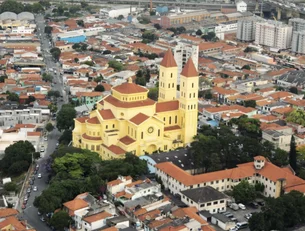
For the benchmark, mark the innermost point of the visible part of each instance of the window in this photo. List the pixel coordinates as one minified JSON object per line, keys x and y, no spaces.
{"x":173,"y":85}
{"x":158,"y":132}
{"x":97,"y":147}
{"x":106,"y":126}
{"x":171,"y":75}
{"x":142,"y":135}
{"x":192,"y":85}
{"x":215,"y":202}
{"x":222,"y":201}
{"x":170,"y":120}
{"x":112,"y":125}
{"x":209,"y":204}
{"x":202,"y":205}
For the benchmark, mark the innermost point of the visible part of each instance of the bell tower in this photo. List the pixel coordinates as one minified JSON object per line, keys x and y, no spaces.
{"x":168,"y":78}
{"x":188,"y":102}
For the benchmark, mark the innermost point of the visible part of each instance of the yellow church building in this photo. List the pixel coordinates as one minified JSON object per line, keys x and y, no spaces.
{"x":128,"y":121}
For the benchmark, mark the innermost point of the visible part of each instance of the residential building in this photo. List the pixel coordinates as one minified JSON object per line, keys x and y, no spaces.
{"x":298,"y":42}
{"x":274,"y":178}
{"x":85,"y":205}
{"x":116,"y":11}
{"x":205,"y":198}
{"x":119,"y":184}
{"x":89,"y":97}
{"x":246,"y":29}
{"x":241,"y":6}
{"x":293,"y":78}
{"x":298,"y":24}
{"x":182,"y":52}
{"x":279,"y":137}
{"x":117,"y":126}
{"x":222,"y":221}
{"x":273,"y":34}
{"x":171,"y":20}
{"x":23,"y":116}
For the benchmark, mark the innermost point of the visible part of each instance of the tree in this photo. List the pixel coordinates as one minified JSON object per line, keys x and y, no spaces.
{"x":246,"y":67}
{"x":250,"y":49}
{"x":157,"y":26}
{"x":293,"y":154}
{"x":153,"y":93}
{"x":248,"y":126}
{"x":120,"y":17}
{"x":37,"y":8}
{"x":13,"y":96}
{"x":257,"y":222}
{"x":66,"y":137}
{"x":49,"y":127}
{"x":55,"y":52}
{"x":51,"y":93}
{"x":199,"y":32}
{"x":84,"y":5}
{"x":98,"y":79}
{"x":65,"y":117}
{"x":48,"y":30}
{"x":99,"y":88}
{"x":17,"y":157}
{"x":76,"y":46}
{"x":10,"y":187}
{"x":294,"y":90}
{"x":74,"y":9}
{"x":60,"y":220}
{"x":76,"y":59}
{"x":116,"y":65}
{"x":250,"y":103}
{"x":47,"y":77}
{"x":244,"y":192}
{"x":209,"y":37}
{"x":11,"y":6}
{"x":280,"y":157}
{"x":3,"y":78}
{"x":296,"y":116}
{"x":36,"y":155}
{"x":30,"y":99}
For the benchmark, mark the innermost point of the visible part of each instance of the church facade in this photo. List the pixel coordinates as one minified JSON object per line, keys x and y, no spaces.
{"x":128,"y":121}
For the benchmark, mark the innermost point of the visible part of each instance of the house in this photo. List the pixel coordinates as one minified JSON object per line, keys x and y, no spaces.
{"x":222,"y":221}
{"x":275,"y":179}
{"x":89,"y":97}
{"x":221,"y":94}
{"x":205,"y":198}
{"x":95,"y":221}
{"x":217,"y":112}
{"x":280,"y":137}
{"x":84,"y":205}
{"x":293,"y":78}
{"x":119,"y":184}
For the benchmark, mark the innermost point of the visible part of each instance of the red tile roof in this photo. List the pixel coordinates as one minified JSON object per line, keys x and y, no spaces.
{"x":97,"y":217}
{"x":82,"y":119}
{"x":189,"y":69}
{"x":170,"y":128}
{"x":167,"y":106}
{"x":106,"y":114}
{"x":168,"y":60}
{"x":139,"y":118}
{"x":130,"y":88}
{"x":85,"y":136}
{"x":115,"y":102}
{"x":115,"y":149}
{"x":93,"y":120}
{"x":76,"y":204}
{"x":127,"y":140}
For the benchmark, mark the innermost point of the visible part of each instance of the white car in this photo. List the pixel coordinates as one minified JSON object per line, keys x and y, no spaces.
{"x":42,"y":149}
{"x":35,"y":189}
{"x":39,"y":176}
{"x":45,"y":138}
{"x":241,"y":206}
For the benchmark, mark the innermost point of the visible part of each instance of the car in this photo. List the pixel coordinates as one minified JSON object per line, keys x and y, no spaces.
{"x":25,"y":198}
{"x":234,"y":219}
{"x":35,"y":172}
{"x":229,"y":215}
{"x":31,"y":182}
{"x":35,"y":189}
{"x":261,"y":203}
{"x":42,"y":219}
{"x":45,"y":138}
{"x":254,"y":205}
{"x":23,"y":206}
{"x":28,"y":190}
{"x":39,"y":176}
{"x":248,"y":216}
{"x":39,"y":213}
{"x":37,"y":167}
{"x":241,"y":206}
{"x":42,"y":149}
{"x":57,"y":143}
{"x":33,"y":178}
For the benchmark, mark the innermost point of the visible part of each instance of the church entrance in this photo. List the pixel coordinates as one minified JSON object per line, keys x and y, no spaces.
{"x":151,"y":148}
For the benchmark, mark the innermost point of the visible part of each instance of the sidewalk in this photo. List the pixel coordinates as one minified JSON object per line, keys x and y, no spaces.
{"x":24,"y":186}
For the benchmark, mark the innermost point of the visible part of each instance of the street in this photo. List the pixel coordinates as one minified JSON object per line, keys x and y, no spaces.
{"x":30,"y":213}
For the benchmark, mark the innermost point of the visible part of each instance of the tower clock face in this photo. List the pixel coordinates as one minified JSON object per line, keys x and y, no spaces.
{"x":150,"y":130}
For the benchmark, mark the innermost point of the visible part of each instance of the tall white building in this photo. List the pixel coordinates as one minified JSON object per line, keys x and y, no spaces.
{"x":298,"y":42}
{"x":182,"y":52}
{"x":246,"y":30}
{"x":298,"y":24}
{"x":241,"y":6}
{"x":273,"y":34}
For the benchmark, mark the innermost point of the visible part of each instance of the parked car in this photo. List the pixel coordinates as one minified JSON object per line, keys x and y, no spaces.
{"x":35,"y":189}
{"x":241,"y":206}
{"x":35,"y":172}
{"x":28,"y":190}
{"x":229,"y":215}
{"x":37,"y":167}
{"x":242,"y":225}
{"x":23,"y":206}
{"x":42,"y":149}
{"x":248,"y":216}
{"x":39,"y":176}
{"x":25,"y":198}
{"x":42,"y":219}
{"x":261,"y":203}
{"x":39,"y":213}
{"x":234,"y":206}
{"x":31,"y":182}
{"x":254,"y":205}
{"x":45,"y":138}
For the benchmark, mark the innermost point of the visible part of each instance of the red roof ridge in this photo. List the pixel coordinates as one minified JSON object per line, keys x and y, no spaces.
{"x":168,"y":60}
{"x":189,"y":69}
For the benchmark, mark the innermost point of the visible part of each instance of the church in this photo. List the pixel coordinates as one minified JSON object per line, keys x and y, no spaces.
{"x":129,"y":121}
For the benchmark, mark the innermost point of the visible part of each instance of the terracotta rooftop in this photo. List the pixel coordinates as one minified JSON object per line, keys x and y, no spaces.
{"x":170,"y":128}
{"x":82,"y":119}
{"x":106,"y":114}
{"x":139,"y":118}
{"x":76,"y":204}
{"x":189,"y":69}
{"x":115,"y":102}
{"x":167,"y":106}
{"x":87,"y":137}
{"x":115,"y":149}
{"x":6,"y":212}
{"x":93,"y":120}
{"x":97,"y":217}
{"x":127,"y":140}
{"x":168,"y":59}
{"x":130,"y":88}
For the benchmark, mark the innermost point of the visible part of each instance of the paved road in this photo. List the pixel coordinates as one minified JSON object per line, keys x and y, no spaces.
{"x":31,"y":213}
